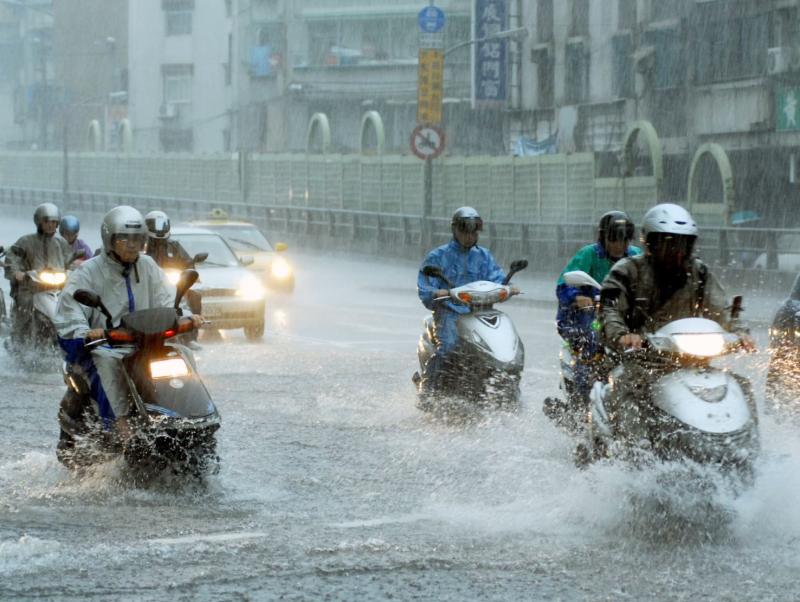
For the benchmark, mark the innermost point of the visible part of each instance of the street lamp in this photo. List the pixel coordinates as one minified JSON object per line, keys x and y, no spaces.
{"x":515,"y":35}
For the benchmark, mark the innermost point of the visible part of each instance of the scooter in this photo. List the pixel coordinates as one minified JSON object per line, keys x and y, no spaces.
{"x":46,"y":285}
{"x":578,"y":365}
{"x":486,"y":366}
{"x":173,"y":422}
{"x":695,"y":410}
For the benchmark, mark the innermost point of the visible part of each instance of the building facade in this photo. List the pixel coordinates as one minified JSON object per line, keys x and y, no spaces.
{"x":182,"y":68}
{"x":711,"y":71}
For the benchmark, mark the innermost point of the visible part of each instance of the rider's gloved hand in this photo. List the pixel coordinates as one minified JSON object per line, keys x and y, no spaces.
{"x":630,"y":341}
{"x":197,"y":320}
{"x":748,"y":343}
{"x":19,"y":276}
{"x":582,"y":301}
{"x":514,"y":291}
{"x":94,"y":334}
{"x":442,"y":292}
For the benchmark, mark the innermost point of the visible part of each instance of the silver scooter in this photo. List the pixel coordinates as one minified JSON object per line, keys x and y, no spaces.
{"x":486,"y":366}
{"x":695,"y":410}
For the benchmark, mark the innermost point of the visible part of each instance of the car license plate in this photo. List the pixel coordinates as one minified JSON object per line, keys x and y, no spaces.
{"x":212,"y":311}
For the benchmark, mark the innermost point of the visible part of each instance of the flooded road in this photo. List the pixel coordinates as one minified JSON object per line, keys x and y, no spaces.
{"x":333,"y":486}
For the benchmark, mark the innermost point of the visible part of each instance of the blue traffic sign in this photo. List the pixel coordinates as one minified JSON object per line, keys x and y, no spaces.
{"x":431,"y":19}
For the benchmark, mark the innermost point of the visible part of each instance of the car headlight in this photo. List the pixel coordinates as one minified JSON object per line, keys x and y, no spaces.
{"x":250,"y":288}
{"x":280,"y":268}
{"x":53,"y":278}
{"x":173,"y":276}
{"x":171,"y":368}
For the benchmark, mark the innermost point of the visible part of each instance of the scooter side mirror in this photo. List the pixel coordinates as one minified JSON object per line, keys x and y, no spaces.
{"x":516,"y":266}
{"x":185,"y":282}
{"x":93,"y":300}
{"x":579,"y":278}
{"x":736,"y":307}
{"x":87,"y":298}
{"x":434,"y":271}
{"x":199,"y":258}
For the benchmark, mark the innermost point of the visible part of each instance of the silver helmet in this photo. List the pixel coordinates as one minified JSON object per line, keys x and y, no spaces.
{"x":668,"y":218}
{"x":44,"y":213}
{"x":122,"y":221}
{"x":466,"y":219}
{"x":157,"y":224}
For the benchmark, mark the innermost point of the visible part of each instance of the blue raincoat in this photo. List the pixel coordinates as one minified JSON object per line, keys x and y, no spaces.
{"x":461,"y":266}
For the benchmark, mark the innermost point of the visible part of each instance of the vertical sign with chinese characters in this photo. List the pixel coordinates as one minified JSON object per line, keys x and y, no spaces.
{"x":490,"y":58}
{"x":431,"y":76}
{"x":430,"y":79}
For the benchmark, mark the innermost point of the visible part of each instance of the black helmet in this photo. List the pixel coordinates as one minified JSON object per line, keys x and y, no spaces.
{"x":466,"y":219}
{"x":614,"y":226}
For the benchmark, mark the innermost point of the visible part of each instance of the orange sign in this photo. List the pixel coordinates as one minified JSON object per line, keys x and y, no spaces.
{"x":430,"y":85}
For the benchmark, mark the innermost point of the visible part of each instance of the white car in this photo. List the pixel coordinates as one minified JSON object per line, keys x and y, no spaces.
{"x":788,"y":255}
{"x":232,"y":296}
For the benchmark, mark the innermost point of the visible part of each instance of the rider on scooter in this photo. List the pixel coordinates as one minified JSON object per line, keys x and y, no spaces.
{"x":34,"y":252}
{"x":461,"y":261}
{"x":575,"y":315}
{"x":69,"y":229}
{"x":126,"y":280}
{"x":645,"y":292}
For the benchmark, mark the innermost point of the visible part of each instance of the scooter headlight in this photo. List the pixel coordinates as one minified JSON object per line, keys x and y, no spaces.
{"x":173,"y":276}
{"x":53,"y":278}
{"x":280,"y":268}
{"x":706,"y":344}
{"x":171,"y":368}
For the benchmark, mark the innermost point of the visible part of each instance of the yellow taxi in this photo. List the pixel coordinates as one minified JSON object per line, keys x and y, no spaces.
{"x":247,"y":240}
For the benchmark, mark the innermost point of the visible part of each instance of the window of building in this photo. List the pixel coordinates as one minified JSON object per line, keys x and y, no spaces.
{"x":178,"y":16}
{"x":731,"y":44}
{"x":359,"y":41}
{"x":662,"y":10}
{"x":626,"y":15}
{"x":175,"y":140}
{"x":544,"y":21}
{"x":10,"y":54}
{"x":579,"y":18}
{"x":265,"y":54}
{"x":545,"y":79}
{"x":177,"y":81}
{"x":670,"y":57}
{"x":229,"y":63}
{"x":623,"y":80}
{"x":577,"y":73}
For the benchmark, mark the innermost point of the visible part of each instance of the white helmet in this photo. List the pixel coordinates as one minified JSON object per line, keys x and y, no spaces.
{"x":122,"y":220}
{"x":46,"y":212}
{"x":157,"y":225}
{"x":669,"y":219}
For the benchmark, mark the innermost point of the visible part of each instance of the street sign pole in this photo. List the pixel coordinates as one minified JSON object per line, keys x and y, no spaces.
{"x":427,"y":139}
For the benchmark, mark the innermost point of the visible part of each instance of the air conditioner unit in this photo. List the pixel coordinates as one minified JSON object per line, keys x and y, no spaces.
{"x":781,"y":59}
{"x":168,"y":110}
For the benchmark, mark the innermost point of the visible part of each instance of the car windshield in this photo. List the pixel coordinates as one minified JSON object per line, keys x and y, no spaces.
{"x":219,"y":254}
{"x":243,"y":238}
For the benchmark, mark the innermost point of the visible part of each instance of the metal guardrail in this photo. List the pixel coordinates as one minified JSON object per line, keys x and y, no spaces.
{"x":396,"y":234}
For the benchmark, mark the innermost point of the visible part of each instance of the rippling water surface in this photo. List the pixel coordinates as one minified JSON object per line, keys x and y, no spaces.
{"x":333,"y":486}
